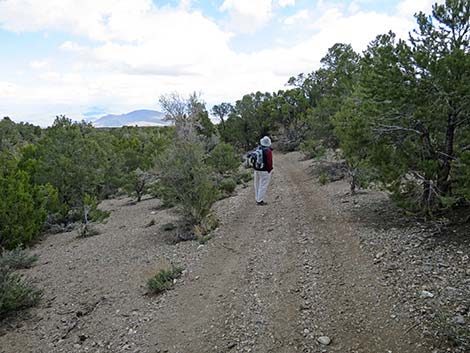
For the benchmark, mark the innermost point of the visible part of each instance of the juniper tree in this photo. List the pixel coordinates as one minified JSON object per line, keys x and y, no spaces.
{"x":412,"y":105}
{"x":23,"y":206}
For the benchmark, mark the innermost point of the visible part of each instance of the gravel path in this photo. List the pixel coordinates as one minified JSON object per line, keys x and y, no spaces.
{"x":287,"y":277}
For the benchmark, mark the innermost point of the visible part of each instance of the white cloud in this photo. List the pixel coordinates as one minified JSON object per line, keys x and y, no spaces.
{"x":354,"y":7}
{"x":72,"y":47}
{"x":335,"y":27}
{"x":299,"y":16}
{"x":38,"y":64}
{"x":247,"y":15}
{"x":185,"y":4}
{"x":410,"y":7}
{"x":97,"y":20}
{"x":8,"y":89}
{"x":133,"y":52}
{"x":285,"y":3}
{"x":50,"y":76}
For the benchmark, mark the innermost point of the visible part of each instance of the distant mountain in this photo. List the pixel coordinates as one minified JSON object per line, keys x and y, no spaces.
{"x":137,"y":117}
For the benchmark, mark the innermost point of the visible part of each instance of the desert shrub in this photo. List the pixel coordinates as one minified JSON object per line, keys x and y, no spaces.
{"x":90,"y":214}
{"x":138,"y":183}
{"x":15,"y":293}
{"x":185,"y":176}
{"x":224,"y":158}
{"x":166,"y":193}
{"x":323,"y":178}
{"x":23,"y":206}
{"x":202,"y":231}
{"x":87,"y":230}
{"x":457,"y":334}
{"x":17,"y":258}
{"x":244,"y":177}
{"x":227,"y":185}
{"x":163,"y":280}
{"x":312,"y":148}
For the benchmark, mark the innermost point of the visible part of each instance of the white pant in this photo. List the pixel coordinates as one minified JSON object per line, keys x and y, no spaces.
{"x":261,"y":184}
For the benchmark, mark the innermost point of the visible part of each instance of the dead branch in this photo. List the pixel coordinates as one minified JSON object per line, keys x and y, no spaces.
{"x":394,"y":128}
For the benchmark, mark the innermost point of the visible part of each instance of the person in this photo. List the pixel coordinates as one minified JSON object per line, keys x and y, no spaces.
{"x":262,"y":176}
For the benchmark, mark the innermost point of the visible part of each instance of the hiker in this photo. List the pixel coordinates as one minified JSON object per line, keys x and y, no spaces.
{"x":263,"y":171}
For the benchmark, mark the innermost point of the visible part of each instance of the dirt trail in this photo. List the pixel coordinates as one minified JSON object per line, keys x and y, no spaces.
{"x":279,"y":277}
{"x":273,"y":279}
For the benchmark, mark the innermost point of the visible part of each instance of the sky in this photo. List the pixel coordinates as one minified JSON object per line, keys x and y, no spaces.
{"x":86,"y":58}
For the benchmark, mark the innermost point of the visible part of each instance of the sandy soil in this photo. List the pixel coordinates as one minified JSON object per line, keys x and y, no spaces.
{"x":275,"y":278}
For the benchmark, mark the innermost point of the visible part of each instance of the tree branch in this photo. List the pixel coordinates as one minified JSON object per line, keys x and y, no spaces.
{"x":447,"y":155}
{"x":463,"y":121}
{"x":393,"y":128}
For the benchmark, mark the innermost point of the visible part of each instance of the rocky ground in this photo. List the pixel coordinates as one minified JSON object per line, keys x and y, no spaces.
{"x":317,"y":270}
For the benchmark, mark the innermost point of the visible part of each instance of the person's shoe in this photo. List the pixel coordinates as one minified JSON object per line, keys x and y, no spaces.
{"x":261,"y":203}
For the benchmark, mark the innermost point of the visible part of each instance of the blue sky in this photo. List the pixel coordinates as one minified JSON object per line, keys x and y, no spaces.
{"x":90,"y":57}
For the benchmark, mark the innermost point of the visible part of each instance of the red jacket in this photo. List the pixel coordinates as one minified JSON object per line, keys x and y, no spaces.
{"x":268,"y":157}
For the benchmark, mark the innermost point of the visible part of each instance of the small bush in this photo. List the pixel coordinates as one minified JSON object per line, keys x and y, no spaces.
{"x":224,"y":158}
{"x":163,"y":280}
{"x":90,"y":213}
{"x":456,"y":334}
{"x":227,"y":185}
{"x":201,"y":234}
{"x":93,"y":213}
{"x":166,"y":193}
{"x":244,"y":177}
{"x":323,"y":179}
{"x":17,"y":259}
{"x":138,"y":183}
{"x":202,"y":231}
{"x":87,"y":230}
{"x":312,"y":149}
{"x":15,"y":294}
{"x":188,"y":180}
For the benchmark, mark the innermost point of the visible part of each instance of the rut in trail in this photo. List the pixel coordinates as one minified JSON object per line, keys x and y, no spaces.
{"x":272,"y":280}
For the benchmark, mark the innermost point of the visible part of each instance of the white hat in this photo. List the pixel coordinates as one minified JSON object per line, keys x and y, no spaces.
{"x":265,"y":141}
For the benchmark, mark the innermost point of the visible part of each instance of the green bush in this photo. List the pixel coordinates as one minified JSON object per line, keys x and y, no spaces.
{"x":166,"y":194}
{"x":163,"y":280}
{"x":188,"y":180}
{"x":312,"y":149}
{"x":90,"y":214}
{"x":244,"y":177}
{"x":202,"y":231}
{"x":15,"y":293}
{"x":87,"y":230}
{"x":228,"y":185}
{"x":93,"y":213}
{"x":17,"y":258}
{"x":224,"y":158}
{"x":323,"y":178}
{"x":23,"y":206}
{"x":138,"y":183}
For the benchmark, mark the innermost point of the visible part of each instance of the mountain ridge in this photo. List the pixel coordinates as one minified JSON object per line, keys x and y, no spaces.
{"x":141,"y":117}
